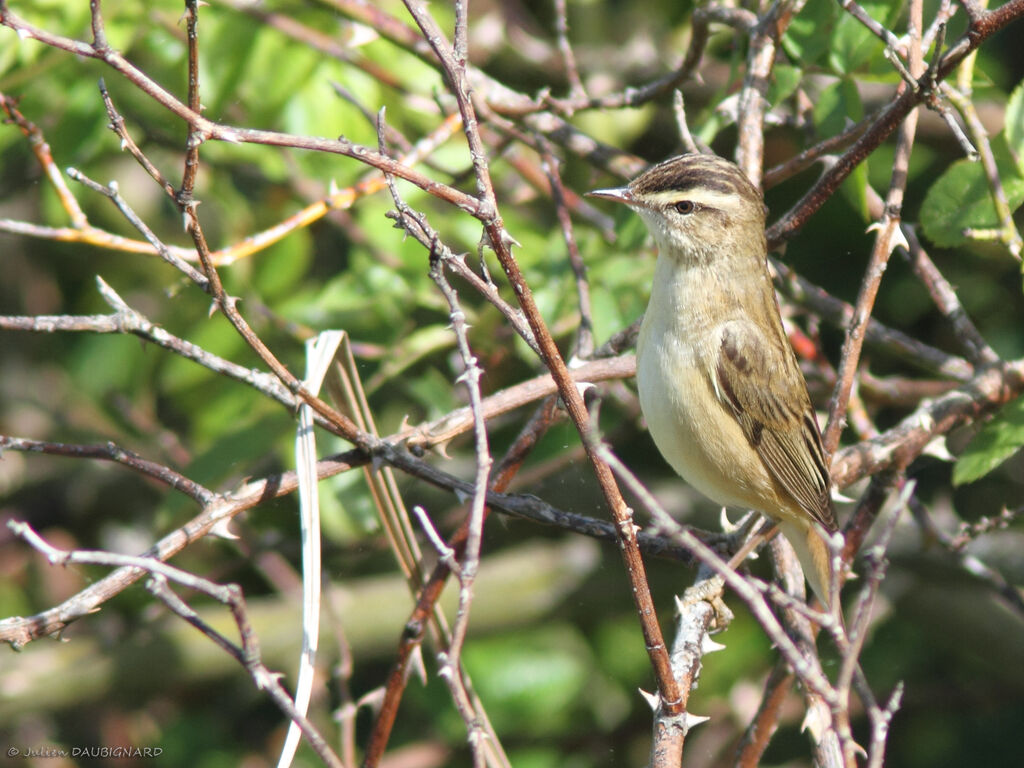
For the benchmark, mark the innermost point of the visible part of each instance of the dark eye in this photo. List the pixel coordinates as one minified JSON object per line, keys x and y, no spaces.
{"x":685,"y":206}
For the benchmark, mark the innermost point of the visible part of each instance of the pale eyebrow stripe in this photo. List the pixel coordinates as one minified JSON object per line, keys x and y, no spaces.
{"x":703,"y":195}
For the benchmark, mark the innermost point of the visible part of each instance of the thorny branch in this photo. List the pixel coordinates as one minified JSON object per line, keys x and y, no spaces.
{"x":500,"y":241}
{"x":248,"y":655}
{"x":979,"y":383}
{"x":450,"y":658}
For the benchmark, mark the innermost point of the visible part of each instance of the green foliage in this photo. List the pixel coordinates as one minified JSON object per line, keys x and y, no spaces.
{"x":854,"y":47}
{"x":808,"y":37}
{"x":822,"y":34}
{"x":837,"y":107}
{"x":961,"y":199}
{"x":560,"y":688}
{"x":539,"y":681}
{"x":1002,"y":437}
{"x":1013,"y":127}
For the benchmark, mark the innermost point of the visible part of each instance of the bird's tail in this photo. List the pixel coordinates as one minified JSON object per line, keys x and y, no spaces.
{"x":814,"y":556}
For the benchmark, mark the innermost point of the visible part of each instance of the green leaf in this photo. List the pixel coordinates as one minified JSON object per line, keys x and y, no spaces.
{"x":231,"y":453}
{"x":837,"y":106}
{"x":538,"y":685}
{"x":995,"y":443}
{"x":280,"y":268}
{"x":855,"y":190}
{"x":785,"y":81}
{"x":1013,"y":130}
{"x":409,"y":350}
{"x":808,"y":36}
{"x":961,"y":199}
{"x":853,"y":46}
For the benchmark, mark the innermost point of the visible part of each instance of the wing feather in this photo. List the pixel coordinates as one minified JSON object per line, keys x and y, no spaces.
{"x":760,"y":382}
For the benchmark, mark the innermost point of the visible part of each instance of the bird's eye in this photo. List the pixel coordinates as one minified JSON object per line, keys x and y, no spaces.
{"x":685,"y":206}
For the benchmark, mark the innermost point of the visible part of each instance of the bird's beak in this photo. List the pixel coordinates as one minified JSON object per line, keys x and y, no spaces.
{"x":619,"y":195}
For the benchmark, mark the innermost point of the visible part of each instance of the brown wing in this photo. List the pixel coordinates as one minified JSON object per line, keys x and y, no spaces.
{"x":775,"y":413}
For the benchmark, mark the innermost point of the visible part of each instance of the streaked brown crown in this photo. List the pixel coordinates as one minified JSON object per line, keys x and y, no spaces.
{"x":691,"y":172}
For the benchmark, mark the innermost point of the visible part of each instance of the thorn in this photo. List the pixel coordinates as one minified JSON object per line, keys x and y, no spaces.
{"x":416,"y":664}
{"x":725,"y":523}
{"x":583,"y":387}
{"x":707,"y":645}
{"x":837,"y":496}
{"x":926,"y":422}
{"x":508,"y":240}
{"x":816,"y":720}
{"x":360,"y":34}
{"x":222,"y":530}
{"x":939,"y":449}
{"x":653,"y":699}
{"x":899,"y":240}
{"x":691,"y":720}
{"x":371,"y":699}
{"x":471,"y":374}
{"x":376,"y":462}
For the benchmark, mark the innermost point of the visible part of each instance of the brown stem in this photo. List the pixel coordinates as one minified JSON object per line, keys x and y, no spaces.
{"x":885,"y":243}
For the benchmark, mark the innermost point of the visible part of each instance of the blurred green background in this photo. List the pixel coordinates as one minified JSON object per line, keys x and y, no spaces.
{"x":555,"y":651}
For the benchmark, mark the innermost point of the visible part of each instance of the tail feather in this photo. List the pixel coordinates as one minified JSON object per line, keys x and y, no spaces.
{"x":813,"y":553}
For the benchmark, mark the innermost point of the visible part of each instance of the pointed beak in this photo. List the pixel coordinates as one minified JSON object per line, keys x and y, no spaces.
{"x":619,"y":195}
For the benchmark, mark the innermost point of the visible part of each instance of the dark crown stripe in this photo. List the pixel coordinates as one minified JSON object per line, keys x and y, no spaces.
{"x":689,"y":172}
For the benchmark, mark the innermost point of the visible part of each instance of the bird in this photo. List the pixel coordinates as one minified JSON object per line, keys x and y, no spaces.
{"x":719,"y":385}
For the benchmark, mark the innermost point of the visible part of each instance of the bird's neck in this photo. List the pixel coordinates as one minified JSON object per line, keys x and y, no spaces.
{"x":681,"y":287}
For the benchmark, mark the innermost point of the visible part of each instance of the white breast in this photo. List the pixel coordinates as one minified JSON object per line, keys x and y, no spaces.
{"x":697,"y":435}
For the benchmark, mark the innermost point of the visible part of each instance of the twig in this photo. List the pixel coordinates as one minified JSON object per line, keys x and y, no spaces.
{"x":764,"y":724}
{"x":248,"y":655}
{"x":585,"y":330}
{"x":841,"y":314}
{"x":806,"y":158}
{"x":983,"y":25}
{"x":1007,"y":232}
{"x":850,"y":643}
{"x":885,"y":242}
{"x":752,"y":102}
{"x":957,"y":543}
{"x":450,"y":660}
{"x":117,"y":125}
{"x":572,"y":73}
{"x":977,"y":350}
{"x":881,"y":719}
{"x":431,"y":591}
{"x":195,"y":136}
{"x":744,"y":589}
{"x":501,"y":242}
{"x":685,"y":137}
{"x":112,"y":192}
{"x":41,"y":149}
{"x":112,"y":452}
{"x":857,"y":11}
